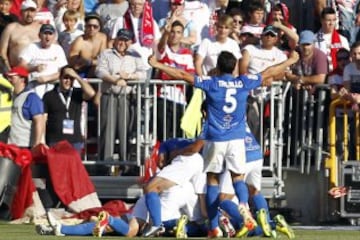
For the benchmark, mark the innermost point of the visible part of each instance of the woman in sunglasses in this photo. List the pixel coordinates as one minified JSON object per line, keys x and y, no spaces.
{"x":238,"y":22}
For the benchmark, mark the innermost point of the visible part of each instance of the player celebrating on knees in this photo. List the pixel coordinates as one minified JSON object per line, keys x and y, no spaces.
{"x":225,"y":127}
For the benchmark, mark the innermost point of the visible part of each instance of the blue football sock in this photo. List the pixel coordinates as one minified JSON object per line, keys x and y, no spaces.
{"x":212,"y":204}
{"x":196,"y":230}
{"x":153,"y":205}
{"x":259,"y":203}
{"x":232,"y":210}
{"x":241,"y":191}
{"x":119,"y":225}
{"x":256,"y":232}
{"x":170,"y":224}
{"x":83,"y":229}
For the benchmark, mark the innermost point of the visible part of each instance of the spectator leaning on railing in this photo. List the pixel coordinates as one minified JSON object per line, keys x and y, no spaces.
{"x":312,"y":67}
{"x":116,"y":66}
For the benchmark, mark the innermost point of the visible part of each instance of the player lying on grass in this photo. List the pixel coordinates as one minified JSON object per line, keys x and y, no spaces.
{"x":175,"y":201}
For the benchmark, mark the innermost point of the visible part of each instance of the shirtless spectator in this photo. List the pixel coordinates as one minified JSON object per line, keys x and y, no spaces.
{"x":43,"y":60}
{"x":86,"y":48}
{"x":19,"y":35}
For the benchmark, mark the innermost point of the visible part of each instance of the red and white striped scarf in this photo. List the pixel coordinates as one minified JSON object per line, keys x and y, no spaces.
{"x":146,"y":34}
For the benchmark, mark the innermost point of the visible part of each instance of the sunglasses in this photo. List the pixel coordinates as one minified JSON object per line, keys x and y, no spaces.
{"x":239,"y":21}
{"x":269,"y":34}
{"x":343,"y":58}
{"x":68,"y":77}
{"x":92,"y":26}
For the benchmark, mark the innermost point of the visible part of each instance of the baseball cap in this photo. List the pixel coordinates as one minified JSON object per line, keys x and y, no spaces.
{"x":307,"y":37}
{"x":92,"y":15}
{"x":18,"y":71}
{"x":28,"y":4}
{"x":250,"y":30}
{"x":246,"y":31}
{"x":47,"y":28}
{"x":125,"y":34}
{"x":270,"y":29}
{"x":179,"y":2}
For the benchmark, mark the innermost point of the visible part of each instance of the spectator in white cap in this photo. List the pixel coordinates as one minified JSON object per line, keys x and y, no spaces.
{"x":313,"y":66}
{"x":19,"y":35}
{"x":43,"y":60}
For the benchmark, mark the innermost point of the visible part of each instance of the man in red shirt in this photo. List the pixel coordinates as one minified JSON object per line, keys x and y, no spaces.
{"x":171,"y":52}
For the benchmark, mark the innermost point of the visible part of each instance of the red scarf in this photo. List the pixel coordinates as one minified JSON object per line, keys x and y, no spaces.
{"x":335,"y":46}
{"x":146,"y":34}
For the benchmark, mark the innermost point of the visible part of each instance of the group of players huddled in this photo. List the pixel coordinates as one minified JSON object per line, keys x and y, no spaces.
{"x":203,"y":185}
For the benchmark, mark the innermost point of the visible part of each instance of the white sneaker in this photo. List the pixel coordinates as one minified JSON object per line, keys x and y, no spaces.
{"x":154,"y":231}
{"x":226,"y":227}
{"x":55,"y":224}
{"x":44,"y":230}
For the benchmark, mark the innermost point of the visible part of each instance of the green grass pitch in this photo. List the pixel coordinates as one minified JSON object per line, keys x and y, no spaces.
{"x":27,"y":232}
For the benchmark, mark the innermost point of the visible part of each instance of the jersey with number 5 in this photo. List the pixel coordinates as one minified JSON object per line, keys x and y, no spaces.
{"x":226,"y":98}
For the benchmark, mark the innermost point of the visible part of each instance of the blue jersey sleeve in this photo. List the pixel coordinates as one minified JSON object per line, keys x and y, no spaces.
{"x":203,"y":82}
{"x":33,"y":106}
{"x":251,"y":81}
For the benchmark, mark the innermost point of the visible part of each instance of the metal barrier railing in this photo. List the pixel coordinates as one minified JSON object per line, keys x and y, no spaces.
{"x":332,"y":162}
{"x":142,"y":133}
{"x":304,"y":128}
{"x":297,"y":126}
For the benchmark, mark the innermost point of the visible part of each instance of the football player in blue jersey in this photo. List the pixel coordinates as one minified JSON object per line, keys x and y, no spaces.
{"x":224,"y":129}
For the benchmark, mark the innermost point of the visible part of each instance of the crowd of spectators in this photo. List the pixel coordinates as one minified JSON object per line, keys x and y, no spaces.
{"x":112,"y":40}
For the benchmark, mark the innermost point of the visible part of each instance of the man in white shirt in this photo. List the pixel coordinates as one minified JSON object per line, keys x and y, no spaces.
{"x":210,"y":48}
{"x":256,"y":59}
{"x":43,"y":60}
{"x":328,"y":39}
